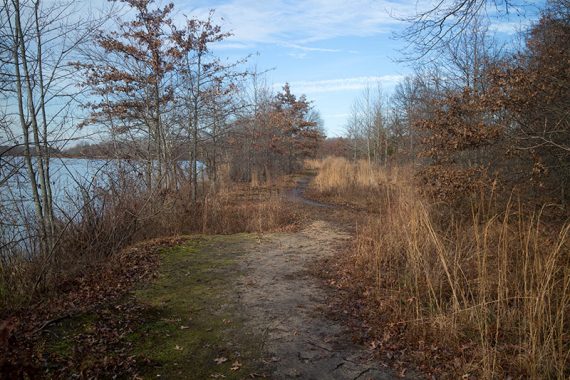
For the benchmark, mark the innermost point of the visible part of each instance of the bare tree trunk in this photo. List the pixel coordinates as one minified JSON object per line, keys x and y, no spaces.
{"x":213,"y":169}
{"x":149,"y":180}
{"x":25,"y":125}
{"x":163,"y":168}
{"x":195,"y":121}
{"x":385,"y":148}
{"x":368,"y":153}
{"x":45,"y":155}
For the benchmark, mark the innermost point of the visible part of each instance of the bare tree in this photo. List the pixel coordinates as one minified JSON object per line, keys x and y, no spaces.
{"x":431,"y":29}
{"x":367,"y":127}
{"x":204,"y":78}
{"x":37,"y":42}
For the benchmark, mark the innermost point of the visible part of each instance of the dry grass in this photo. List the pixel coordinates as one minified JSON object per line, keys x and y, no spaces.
{"x":490,"y":288}
{"x":357,"y":183}
{"x":337,"y":175}
{"x":246,"y":209}
{"x":127,"y":215}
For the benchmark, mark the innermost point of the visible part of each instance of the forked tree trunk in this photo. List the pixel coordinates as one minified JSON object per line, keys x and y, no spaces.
{"x":42,"y":198}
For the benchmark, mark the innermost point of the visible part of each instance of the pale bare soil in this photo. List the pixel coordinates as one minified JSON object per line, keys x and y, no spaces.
{"x":288,"y":305}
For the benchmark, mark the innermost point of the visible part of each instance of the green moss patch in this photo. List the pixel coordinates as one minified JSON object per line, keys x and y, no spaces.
{"x":193,"y":327}
{"x":187,"y":323}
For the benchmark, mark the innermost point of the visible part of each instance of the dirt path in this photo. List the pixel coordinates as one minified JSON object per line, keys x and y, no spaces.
{"x":224,"y":306}
{"x":288,"y":305}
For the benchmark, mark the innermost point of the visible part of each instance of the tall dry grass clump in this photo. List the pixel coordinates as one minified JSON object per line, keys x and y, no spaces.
{"x":358,"y":183}
{"x":338,"y":175}
{"x":493,"y":285}
{"x":313,"y":163}
{"x":250,"y":210}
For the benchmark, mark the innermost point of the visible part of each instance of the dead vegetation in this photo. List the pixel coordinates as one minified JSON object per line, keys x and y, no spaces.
{"x":478,"y":292}
{"x":22,"y":351}
{"x":107,"y":252}
{"x":131,"y":215}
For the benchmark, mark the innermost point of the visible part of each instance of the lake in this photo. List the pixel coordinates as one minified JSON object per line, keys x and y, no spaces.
{"x":68,"y":177}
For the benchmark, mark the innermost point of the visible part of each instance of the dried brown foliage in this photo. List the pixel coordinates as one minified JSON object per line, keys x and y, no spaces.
{"x":512,"y":128}
{"x":482,"y":295}
{"x":460,"y":121}
{"x":533,"y":90}
{"x":448,"y":183}
{"x":100,"y":285}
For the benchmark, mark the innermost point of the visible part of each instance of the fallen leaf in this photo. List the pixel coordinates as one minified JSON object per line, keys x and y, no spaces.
{"x":236,"y":366}
{"x":220,"y":360}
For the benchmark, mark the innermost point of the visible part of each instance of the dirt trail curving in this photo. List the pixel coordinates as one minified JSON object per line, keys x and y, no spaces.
{"x":287,"y":305}
{"x":226,"y":306}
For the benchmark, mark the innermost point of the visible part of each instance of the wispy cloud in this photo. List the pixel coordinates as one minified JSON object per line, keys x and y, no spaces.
{"x":301,"y":52}
{"x":342,"y":84}
{"x":233,"y":45}
{"x":510,"y":27}
{"x":298,"y":55}
{"x":309,"y":48}
{"x":300,"y":24}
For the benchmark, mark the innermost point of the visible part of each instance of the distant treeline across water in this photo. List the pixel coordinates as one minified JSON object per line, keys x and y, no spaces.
{"x":132,"y":150}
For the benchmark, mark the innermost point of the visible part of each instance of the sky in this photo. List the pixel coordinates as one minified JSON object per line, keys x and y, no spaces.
{"x":329,"y":50}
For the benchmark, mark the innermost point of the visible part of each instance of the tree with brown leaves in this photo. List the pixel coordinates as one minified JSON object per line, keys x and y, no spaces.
{"x":203,"y":81}
{"x":298,"y":134}
{"x":132,"y":77}
{"x":533,"y":89}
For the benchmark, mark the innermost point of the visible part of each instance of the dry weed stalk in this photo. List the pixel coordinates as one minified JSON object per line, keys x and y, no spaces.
{"x":496,"y":281}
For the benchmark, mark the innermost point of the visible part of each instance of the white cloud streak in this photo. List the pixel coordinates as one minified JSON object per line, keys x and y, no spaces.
{"x":510,"y":27}
{"x":300,"y":24}
{"x":309,"y":49}
{"x":233,"y":45}
{"x":342,"y":84}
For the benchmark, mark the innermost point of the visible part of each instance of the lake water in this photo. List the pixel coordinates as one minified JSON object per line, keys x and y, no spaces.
{"x":16,"y":200}
{"x":68,"y":177}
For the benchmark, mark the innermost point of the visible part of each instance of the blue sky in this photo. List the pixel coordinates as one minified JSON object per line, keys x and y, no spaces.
{"x":327,"y":49}
{"x":332,"y":78}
